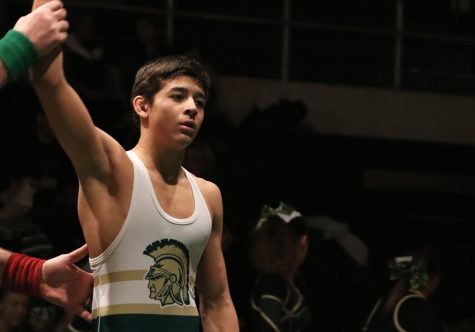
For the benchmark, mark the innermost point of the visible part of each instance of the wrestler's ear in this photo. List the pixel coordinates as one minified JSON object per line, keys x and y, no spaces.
{"x":140,"y":107}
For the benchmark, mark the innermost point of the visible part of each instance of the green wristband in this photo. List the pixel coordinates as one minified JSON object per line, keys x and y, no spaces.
{"x":17,"y":53}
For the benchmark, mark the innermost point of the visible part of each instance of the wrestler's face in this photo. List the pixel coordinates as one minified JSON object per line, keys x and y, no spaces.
{"x":177,"y":112}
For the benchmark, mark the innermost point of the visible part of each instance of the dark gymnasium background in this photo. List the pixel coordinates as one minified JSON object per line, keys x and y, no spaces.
{"x":391,"y":187}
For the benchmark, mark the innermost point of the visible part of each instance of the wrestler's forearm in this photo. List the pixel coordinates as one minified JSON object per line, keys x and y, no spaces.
{"x":223,"y":319}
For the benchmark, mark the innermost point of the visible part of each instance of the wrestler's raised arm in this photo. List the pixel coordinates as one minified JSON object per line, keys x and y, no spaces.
{"x":100,"y":162}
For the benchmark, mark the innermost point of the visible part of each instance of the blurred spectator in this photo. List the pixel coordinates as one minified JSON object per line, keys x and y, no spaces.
{"x":406,"y":307}
{"x":91,"y":73}
{"x":279,"y":247}
{"x":30,"y":212}
{"x":84,"y":58}
{"x":148,"y":43}
{"x":46,"y":317}
{"x":17,"y":230}
{"x":14,"y":312}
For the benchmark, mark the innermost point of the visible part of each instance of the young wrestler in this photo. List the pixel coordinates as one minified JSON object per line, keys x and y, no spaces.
{"x":153,"y":229}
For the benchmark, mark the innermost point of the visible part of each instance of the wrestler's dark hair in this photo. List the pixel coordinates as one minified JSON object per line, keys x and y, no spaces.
{"x":152,"y":76}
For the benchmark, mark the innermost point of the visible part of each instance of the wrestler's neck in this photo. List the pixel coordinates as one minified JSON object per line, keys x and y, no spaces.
{"x":167,"y":162}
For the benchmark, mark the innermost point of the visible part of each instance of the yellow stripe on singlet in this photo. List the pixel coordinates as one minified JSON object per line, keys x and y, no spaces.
{"x":121,"y":309}
{"x":130,"y":275}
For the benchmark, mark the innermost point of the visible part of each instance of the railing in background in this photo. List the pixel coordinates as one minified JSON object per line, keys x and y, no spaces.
{"x":302,"y":59}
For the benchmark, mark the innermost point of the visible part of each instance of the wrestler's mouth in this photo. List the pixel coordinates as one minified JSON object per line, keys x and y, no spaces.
{"x":188,"y":128}
{"x":188,"y":124}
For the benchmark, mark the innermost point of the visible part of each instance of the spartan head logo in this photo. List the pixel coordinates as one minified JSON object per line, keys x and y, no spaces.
{"x":168,"y":276}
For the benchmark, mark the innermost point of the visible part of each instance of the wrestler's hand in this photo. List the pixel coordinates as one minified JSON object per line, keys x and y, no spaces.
{"x":67,"y":285}
{"x":46,"y":26}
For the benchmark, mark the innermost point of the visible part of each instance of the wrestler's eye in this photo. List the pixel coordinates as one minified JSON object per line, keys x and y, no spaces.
{"x":178,"y":97}
{"x":200,"y":103}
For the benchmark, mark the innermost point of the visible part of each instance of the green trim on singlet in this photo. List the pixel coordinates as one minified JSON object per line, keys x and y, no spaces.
{"x":146,"y":323}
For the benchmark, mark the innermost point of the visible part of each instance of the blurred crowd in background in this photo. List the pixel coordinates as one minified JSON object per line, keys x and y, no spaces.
{"x":269,"y":157}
